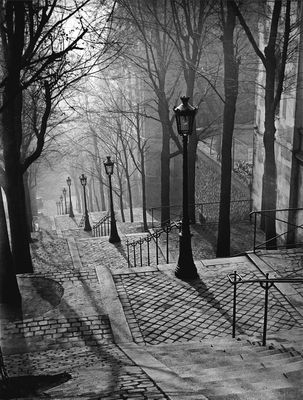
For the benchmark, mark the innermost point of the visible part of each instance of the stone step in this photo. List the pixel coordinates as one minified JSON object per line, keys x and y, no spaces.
{"x":273,"y":394}
{"x":222,"y":348}
{"x":240,"y":385}
{"x":211,"y":359}
{"x":286,"y":339}
{"x":292,"y":371}
{"x":235,"y":367}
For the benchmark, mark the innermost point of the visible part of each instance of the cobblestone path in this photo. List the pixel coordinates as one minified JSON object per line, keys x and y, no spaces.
{"x":65,"y":329}
{"x":290,"y":265}
{"x":105,"y":373}
{"x":162,"y":310}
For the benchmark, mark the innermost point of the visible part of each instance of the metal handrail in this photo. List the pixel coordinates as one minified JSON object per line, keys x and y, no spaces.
{"x":265,"y":283}
{"x":101,"y":228}
{"x":81,"y":223}
{"x":196,"y":205}
{"x":147,"y":239}
{"x":266,"y":212}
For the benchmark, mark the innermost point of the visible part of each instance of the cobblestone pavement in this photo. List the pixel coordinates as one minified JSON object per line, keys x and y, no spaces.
{"x":161,"y":310}
{"x":66,"y":327}
{"x":287,"y":263}
{"x":104,"y":373}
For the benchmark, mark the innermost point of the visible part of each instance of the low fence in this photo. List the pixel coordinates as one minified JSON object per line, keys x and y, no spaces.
{"x":143,"y":246}
{"x":289,"y":234}
{"x":266,"y":283}
{"x":207,"y":212}
{"x":102,"y":227}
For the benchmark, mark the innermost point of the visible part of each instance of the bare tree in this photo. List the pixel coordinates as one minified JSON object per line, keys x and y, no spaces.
{"x":36,"y":48}
{"x":231,"y":83}
{"x":274,"y":59}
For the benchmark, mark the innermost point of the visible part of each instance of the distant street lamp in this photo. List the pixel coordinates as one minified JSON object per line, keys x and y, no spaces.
{"x":109,"y":169}
{"x":186,"y":269}
{"x":87,"y":226}
{"x":61,"y":203}
{"x":69,"y":183}
{"x":64,"y":194}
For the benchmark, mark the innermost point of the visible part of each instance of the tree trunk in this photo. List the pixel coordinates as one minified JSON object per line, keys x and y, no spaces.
{"x":121,"y":198}
{"x":269,"y":195}
{"x":130,"y":197}
{"x":143,"y":182}
{"x":28,"y":205}
{"x":12,"y":140}
{"x":192,"y":154}
{"x":90,"y":196}
{"x":14,"y":188}
{"x":9,"y":290}
{"x":165,"y":162}
{"x":231,"y":92}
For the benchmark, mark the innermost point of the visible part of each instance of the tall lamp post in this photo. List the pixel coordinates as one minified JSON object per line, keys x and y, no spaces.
{"x":87,"y":226}
{"x":64,"y":194}
{"x":186,"y":269}
{"x":69,"y":183}
{"x":109,"y":169}
{"x":61,"y":203}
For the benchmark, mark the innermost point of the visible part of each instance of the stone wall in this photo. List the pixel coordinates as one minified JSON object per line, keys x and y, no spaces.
{"x":208,"y":175}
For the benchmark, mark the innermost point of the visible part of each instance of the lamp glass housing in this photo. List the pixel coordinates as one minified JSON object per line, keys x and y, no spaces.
{"x":109,"y":166}
{"x":185,"y":116}
{"x":83,"y":180}
{"x":64,"y":191}
{"x":68,"y":181}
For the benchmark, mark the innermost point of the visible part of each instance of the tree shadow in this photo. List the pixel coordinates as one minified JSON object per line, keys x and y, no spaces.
{"x":28,"y":386}
{"x":121,"y":249}
{"x":210,"y":298}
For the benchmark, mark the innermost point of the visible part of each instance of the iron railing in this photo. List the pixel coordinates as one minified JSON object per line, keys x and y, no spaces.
{"x":81,"y":223}
{"x":281,"y":238}
{"x":136,"y":245}
{"x":208,"y":212}
{"x":265,"y":283}
{"x":102,"y":227}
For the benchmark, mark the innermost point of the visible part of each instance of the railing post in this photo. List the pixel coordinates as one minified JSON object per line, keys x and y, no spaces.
{"x":234,"y":305}
{"x":135,"y":261}
{"x":140,"y":247}
{"x":128,"y":261}
{"x":265,"y":311}
{"x":255,"y":231}
{"x":148,"y":256}
{"x":157,"y":250}
{"x":167,"y":254}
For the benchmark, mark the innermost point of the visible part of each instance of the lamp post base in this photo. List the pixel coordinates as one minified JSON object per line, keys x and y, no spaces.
{"x":114,"y":239}
{"x":114,"y":236}
{"x":87,"y":226}
{"x":71,"y":213}
{"x":186,"y":269}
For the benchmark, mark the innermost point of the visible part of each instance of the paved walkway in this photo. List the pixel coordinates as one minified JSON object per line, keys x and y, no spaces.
{"x":86,"y":313}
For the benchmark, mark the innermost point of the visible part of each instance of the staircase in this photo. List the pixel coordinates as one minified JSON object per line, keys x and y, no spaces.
{"x":230,"y":369}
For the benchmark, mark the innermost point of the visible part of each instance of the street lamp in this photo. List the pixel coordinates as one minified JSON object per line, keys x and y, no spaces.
{"x":69,"y":183}
{"x":109,"y":169}
{"x":186,"y":269}
{"x":61,"y":203}
{"x":64,"y":194}
{"x":87,"y":226}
